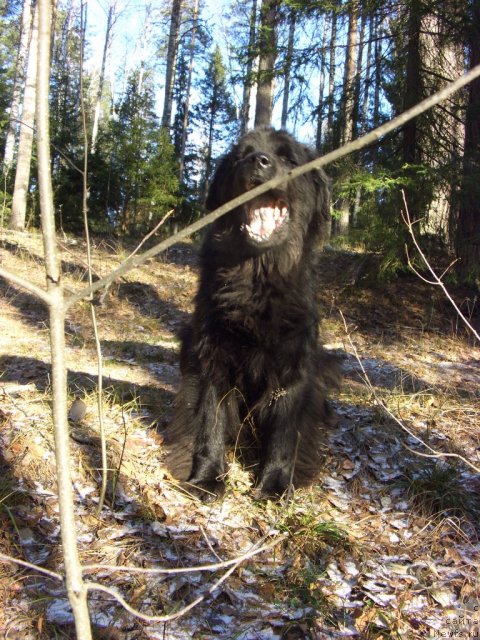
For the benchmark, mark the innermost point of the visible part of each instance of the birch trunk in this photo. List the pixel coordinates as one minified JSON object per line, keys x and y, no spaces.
{"x":25,"y":142}
{"x":349,"y":76}
{"x":343,"y":220}
{"x":331,"y":76}
{"x":321,"y":86}
{"x":183,"y":141}
{"x":25,"y":35}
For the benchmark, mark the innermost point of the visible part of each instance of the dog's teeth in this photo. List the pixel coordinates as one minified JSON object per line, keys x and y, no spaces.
{"x":264,"y":221}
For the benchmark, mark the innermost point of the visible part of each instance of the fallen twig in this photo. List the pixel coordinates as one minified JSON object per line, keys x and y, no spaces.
{"x":95,"y":586}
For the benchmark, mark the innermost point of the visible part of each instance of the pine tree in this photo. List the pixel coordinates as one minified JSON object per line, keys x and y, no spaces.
{"x":215,"y":114}
{"x":134,"y":172}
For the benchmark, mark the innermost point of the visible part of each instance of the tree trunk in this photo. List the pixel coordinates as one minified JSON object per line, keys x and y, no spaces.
{"x":442,"y":143}
{"x":357,"y":82}
{"x":25,"y":142}
{"x":331,"y":79}
{"x":172,"y":51}
{"x":378,"y":71}
{"x":101,"y":80}
{"x":25,"y":35}
{"x":321,"y":86}
{"x":347,"y":116}
{"x":368,"y":80}
{"x":183,"y":140}
{"x":269,"y":16}
{"x":288,"y":68}
{"x":413,"y":86}
{"x":247,"y":86}
{"x":468,"y":226}
{"x":349,"y":75}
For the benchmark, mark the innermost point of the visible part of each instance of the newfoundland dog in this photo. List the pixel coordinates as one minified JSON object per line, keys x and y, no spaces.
{"x":253,"y":374}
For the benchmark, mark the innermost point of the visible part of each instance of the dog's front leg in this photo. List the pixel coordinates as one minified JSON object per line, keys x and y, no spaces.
{"x":280,"y":424}
{"x":208,"y":463}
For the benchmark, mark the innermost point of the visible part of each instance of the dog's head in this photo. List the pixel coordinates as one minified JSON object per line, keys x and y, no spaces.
{"x":267,"y":220}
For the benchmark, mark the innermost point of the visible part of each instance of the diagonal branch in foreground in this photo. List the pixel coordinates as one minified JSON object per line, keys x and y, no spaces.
{"x":355,"y":145}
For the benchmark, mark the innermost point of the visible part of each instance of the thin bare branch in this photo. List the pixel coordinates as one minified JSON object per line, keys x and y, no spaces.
{"x":94,"y":586}
{"x":215,"y":566}
{"x":98,"y":348}
{"x":51,"y":574}
{"x":433,"y":452}
{"x":355,"y":145}
{"x":437,"y":280}
{"x":151,"y":233}
{"x":40,"y":293}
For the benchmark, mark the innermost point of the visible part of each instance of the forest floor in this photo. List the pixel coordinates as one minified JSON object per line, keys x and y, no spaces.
{"x":384,"y":545}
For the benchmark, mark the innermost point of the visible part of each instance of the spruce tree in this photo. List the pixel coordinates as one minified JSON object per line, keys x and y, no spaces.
{"x":215,"y":115}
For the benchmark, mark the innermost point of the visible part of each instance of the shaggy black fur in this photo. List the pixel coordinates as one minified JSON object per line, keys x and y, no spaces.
{"x":250,"y":358}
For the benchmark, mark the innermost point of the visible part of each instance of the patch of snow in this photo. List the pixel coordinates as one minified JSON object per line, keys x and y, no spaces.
{"x":59,"y":612}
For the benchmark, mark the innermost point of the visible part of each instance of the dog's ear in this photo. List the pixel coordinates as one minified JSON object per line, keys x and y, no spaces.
{"x":220,"y":189}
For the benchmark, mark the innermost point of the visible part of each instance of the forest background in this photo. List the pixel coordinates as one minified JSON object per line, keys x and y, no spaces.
{"x":165,"y":88}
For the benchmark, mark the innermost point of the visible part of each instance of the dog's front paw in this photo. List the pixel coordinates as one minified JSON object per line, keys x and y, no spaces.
{"x":206,"y":490}
{"x":273,"y":484}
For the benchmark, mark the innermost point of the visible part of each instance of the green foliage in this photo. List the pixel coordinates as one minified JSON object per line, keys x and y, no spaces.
{"x":215,"y":114}
{"x":378,"y":225}
{"x":311,"y":534}
{"x":133,"y":174}
{"x":5,"y":207}
{"x":438,"y":490}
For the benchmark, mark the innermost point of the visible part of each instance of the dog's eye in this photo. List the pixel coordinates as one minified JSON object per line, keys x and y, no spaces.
{"x":287,"y":159}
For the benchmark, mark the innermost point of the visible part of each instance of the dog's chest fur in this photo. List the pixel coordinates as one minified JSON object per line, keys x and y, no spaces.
{"x":262,"y":321}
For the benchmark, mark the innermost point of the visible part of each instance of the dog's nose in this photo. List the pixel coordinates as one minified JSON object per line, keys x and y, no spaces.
{"x":260,"y":159}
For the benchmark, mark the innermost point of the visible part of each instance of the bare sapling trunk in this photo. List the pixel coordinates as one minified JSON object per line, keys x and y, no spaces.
{"x":77,"y":593}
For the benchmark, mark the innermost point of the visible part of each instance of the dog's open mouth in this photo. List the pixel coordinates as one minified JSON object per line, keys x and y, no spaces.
{"x":264,"y":218}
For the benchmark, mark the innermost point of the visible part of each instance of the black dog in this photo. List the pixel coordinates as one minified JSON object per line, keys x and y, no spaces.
{"x":250,"y":359}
